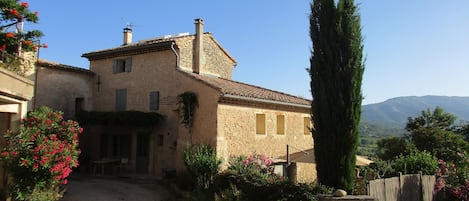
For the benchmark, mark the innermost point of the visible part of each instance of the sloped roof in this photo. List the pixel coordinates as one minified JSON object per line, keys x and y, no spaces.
{"x":148,"y":45}
{"x":236,"y":89}
{"x":50,"y":64}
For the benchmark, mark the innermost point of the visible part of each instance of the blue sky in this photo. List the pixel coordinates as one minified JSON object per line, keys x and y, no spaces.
{"x":412,"y":48}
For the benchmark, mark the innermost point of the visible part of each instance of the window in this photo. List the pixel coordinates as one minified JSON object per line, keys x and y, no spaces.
{"x":121,"y":99}
{"x":122,"y":65}
{"x":280,"y":124}
{"x":307,"y":125}
{"x":79,"y":105}
{"x":260,"y":123}
{"x":154,"y":100}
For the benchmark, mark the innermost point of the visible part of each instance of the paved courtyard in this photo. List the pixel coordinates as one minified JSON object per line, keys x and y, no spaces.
{"x":84,"y":188}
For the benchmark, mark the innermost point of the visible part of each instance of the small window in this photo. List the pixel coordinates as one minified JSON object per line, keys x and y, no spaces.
{"x":154,"y":100}
{"x":79,"y":105}
{"x":307,"y":125}
{"x":121,"y":99}
{"x":260,"y":124}
{"x":122,"y":65}
{"x":280,"y":124}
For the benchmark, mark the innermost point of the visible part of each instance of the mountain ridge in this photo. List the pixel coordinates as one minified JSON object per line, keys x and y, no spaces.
{"x":393,"y":113}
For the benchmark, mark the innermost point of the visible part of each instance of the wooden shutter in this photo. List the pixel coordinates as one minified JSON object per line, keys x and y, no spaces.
{"x":121,"y":99}
{"x":154,"y":100}
{"x":115,"y":67}
{"x":128,"y":64}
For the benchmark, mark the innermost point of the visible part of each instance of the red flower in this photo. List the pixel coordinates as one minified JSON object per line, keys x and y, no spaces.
{"x":27,"y":42}
{"x":45,"y":45}
{"x":35,"y":13}
{"x":25,"y":4}
{"x":3,"y":47}
{"x":48,"y":121}
{"x":13,"y":12}
{"x":80,"y":130}
{"x":65,"y":181}
{"x":5,"y":154}
{"x":10,"y":35}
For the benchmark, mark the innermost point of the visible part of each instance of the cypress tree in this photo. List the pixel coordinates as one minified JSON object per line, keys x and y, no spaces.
{"x":336,"y":72}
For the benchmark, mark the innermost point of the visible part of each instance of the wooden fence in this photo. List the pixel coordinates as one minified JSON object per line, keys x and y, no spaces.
{"x":412,"y":187}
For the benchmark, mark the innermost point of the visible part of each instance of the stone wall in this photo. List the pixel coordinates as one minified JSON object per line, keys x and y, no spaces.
{"x":237,"y":135}
{"x":59,"y":88}
{"x":214,"y":60}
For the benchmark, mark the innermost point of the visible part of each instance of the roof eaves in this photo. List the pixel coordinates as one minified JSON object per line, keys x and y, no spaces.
{"x":128,"y":50}
{"x":49,"y":64}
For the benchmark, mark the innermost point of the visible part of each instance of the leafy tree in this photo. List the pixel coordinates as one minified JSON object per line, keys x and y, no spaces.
{"x":336,"y":75}
{"x":438,"y":119}
{"x":13,"y":39}
{"x":435,"y":133}
{"x":416,"y":162}
{"x":390,"y":148}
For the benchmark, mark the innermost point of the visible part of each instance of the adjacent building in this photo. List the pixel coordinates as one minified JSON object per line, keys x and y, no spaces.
{"x":148,"y":76}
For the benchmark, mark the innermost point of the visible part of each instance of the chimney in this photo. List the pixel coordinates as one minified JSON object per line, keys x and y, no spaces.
{"x":198,"y":45}
{"x":127,"y":36}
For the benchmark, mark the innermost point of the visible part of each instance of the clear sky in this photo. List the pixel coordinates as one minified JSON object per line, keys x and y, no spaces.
{"x":412,"y":48}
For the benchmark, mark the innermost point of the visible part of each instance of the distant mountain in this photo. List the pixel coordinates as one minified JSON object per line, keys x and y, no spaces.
{"x":392,"y":114}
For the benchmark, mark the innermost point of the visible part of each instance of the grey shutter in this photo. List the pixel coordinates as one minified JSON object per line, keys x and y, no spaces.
{"x":128,"y":64}
{"x":154,"y":100}
{"x":114,"y":67}
{"x":121,"y":99}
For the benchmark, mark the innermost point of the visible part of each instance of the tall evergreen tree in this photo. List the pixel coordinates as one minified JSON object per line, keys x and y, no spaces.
{"x":336,"y":75}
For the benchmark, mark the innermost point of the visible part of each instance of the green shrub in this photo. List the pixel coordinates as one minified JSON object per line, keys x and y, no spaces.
{"x":202,"y":164}
{"x":416,"y":162}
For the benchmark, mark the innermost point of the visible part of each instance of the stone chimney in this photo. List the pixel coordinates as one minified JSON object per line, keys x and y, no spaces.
{"x":127,"y":36}
{"x":198,"y":45}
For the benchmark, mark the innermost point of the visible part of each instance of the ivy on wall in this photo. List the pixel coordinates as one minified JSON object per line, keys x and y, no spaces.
{"x":187,"y":103}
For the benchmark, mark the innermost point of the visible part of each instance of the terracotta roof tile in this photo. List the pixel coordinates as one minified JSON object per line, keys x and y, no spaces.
{"x":50,"y":64}
{"x":234,"y":88}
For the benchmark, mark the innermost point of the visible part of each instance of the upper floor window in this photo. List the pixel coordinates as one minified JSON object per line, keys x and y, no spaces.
{"x":260,"y":124}
{"x":121,"y":99}
{"x":122,"y":65}
{"x":307,"y":125}
{"x":154,"y":100}
{"x":280,"y":124}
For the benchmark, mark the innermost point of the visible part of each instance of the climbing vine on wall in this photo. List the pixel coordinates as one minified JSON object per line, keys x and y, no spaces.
{"x":187,"y":103}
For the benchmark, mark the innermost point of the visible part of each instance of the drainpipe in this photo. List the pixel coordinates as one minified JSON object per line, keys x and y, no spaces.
{"x":176,"y":54}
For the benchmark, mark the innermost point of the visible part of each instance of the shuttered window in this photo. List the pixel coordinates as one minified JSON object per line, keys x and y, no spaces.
{"x":122,"y":65}
{"x":280,"y":124}
{"x":307,"y":125}
{"x":260,"y":124}
{"x":154,"y":100}
{"x":121,"y":99}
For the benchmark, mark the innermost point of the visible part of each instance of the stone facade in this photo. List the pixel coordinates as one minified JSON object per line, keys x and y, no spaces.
{"x":136,"y":76}
{"x":63,"y":88}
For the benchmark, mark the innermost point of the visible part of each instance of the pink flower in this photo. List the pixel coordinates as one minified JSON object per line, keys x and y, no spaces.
{"x":80,"y":130}
{"x":65,"y":181}
{"x":36,"y":13}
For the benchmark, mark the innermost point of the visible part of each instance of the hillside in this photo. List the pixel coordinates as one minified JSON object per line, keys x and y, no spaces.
{"x":389,"y":117}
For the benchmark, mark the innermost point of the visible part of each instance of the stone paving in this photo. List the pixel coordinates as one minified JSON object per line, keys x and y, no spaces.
{"x":84,"y":188}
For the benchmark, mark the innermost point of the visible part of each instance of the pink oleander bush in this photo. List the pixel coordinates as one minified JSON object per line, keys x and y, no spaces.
{"x":452,"y":179}
{"x":41,"y":155}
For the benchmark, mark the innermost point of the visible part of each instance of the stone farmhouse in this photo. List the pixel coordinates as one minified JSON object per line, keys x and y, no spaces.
{"x":149,"y":76}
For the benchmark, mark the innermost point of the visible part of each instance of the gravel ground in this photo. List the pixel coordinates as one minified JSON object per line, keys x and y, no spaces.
{"x":86,"y":188}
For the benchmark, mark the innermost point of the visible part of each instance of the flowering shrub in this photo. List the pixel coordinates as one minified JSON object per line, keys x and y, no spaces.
{"x":255,"y":168}
{"x":13,"y":13}
{"x":452,"y":179}
{"x":41,"y":155}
